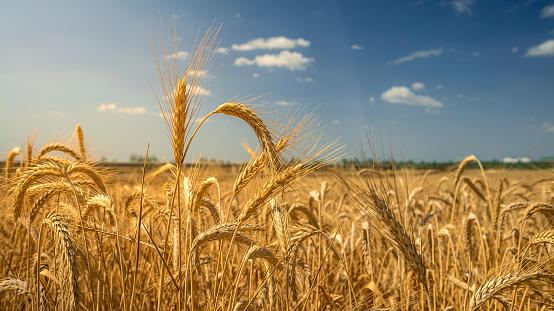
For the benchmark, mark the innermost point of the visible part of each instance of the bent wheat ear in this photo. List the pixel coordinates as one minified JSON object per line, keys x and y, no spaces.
{"x":28,"y":179}
{"x":202,"y":191}
{"x":301,"y":208}
{"x":9,"y":161}
{"x":494,"y":287}
{"x":87,"y":170}
{"x":61,"y":148}
{"x":462,"y":166}
{"x":100,"y":201}
{"x":249,"y":116}
{"x":15,"y":285}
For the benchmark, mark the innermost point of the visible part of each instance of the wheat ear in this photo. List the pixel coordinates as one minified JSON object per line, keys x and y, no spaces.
{"x":469,"y":234}
{"x":281,"y":225}
{"x":67,"y":260}
{"x":465,"y":162}
{"x":494,"y":287}
{"x":259,"y":127}
{"x":303,"y":209}
{"x":100,"y":201}
{"x":81,"y":139}
{"x":28,"y":178}
{"x":61,"y":148}
{"x":474,"y":188}
{"x":543,"y":237}
{"x":202,"y":191}
{"x":269,"y":189}
{"x":9,"y":161}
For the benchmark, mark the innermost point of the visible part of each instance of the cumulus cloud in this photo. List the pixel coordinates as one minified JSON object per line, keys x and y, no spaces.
{"x":237,"y":15}
{"x":371,"y":99}
{"x":180,"y":55}
{"x":514,"y":49}
{"x":307,"y":79}
{"x":403,"y":95}
{"x":418,"y":54}
{"x":418,"y":86}
{"x":544,"y":49}
{"x":113,"y":107}
{"x":476,"y":54}
{"x":547,"y":127}
{"x":548,"y":11}
{"x":462,"y":6}
{"x":285,"y":59}
{"x":439,"y":86}
{"x":223,"y":50}
{"x":357,"y":47}
{"x":335,"y":121}
{"x":255,"y":75}
{"x":271,"y":43}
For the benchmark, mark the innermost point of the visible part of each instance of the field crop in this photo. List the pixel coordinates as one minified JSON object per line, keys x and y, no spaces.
{"x":288,"y":230}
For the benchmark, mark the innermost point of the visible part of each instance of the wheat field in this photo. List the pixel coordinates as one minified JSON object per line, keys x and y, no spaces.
{"x":288,"y":230}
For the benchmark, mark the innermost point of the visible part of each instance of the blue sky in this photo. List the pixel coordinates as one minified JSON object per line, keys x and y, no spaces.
{"x":449,"y":78}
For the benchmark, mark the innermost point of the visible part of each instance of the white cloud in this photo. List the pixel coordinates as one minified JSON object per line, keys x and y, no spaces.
{"x":439,"y":86}
{"x":357,"y":47}
{"x":180,"y":55}
{"x":223,"y":50}
{"x":307,"y":79}
{"x":106,"y":107}
{"x":271,"y":43}
{"x":403,"y":95}
{"x":547,"y":127}
{"x":371,"y":99}
{"x":286,"y":59}
{"x":418,"y":86}
{"x":462,"y":6}
{"x":255,"y":75}
{"x":516,"y":160}
{"x":548,"y":11}
{"x":418,"y":54}
{"x":237,"y":15}
{"x":113,"y":107}
{"x":544,"y":49}
{"x":514,"y":49}
{"x":283,"y":103}
{"x":335,"y":121}
{"x":476,"y":54}
{"x":55,"y":113}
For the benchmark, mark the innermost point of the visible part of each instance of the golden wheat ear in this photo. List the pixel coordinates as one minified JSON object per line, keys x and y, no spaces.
{"x":180,"y":98}
{"x":9,"y":161}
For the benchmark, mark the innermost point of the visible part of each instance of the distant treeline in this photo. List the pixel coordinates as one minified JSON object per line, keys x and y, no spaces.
{"x":495,"y":164}
{"x":353,"y":164}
